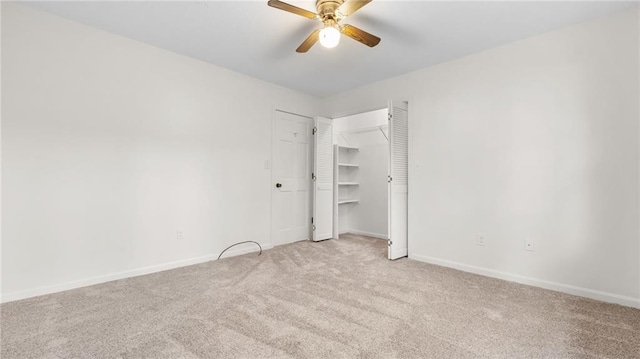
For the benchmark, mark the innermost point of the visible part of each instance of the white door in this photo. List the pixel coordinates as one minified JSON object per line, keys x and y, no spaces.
{"x":323,"y":179}
{"x":398,"y":179}
{"x":291,"y":178}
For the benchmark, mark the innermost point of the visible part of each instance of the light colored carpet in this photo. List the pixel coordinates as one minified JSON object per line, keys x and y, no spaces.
{"x":333,"y":299}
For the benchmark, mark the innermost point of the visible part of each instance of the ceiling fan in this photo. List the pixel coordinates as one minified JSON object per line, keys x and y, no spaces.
{"x":330,"y":12}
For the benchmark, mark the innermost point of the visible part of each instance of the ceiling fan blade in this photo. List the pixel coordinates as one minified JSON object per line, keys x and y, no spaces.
{"x":349,"y":7}
{"x":309,"y":41}
{"x":293,"y":9}
{"x":360,"y":35}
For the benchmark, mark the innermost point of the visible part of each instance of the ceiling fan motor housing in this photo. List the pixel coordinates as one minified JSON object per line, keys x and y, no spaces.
{"x":327,"y":8}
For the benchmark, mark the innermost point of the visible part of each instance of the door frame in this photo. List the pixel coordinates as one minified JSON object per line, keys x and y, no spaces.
{"x":272,"y":179}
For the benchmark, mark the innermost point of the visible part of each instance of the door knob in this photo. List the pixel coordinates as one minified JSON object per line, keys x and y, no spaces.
{"x":278,"y":185}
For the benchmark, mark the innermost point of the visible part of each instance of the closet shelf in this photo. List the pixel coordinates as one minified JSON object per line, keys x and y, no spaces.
{"x":348,"y":165}
{"x":346,"y":201}
{"x":348,"y":183}
{"x":348,"y":148}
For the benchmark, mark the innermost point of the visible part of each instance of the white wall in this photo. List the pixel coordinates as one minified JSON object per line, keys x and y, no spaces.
{"x":109,"y":146}
{"x":537,"y":139}
{"x":369,"y":216}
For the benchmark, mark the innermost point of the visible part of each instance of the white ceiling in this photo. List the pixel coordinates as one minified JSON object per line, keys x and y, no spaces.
{"x":255,"y":39}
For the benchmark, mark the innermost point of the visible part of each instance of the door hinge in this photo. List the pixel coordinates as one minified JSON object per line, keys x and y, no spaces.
{"x":390,"y":116}
{"x":389,"y":179}
{"x":315,"y":129}
{"x":311,"y":220}
{"x":313,"y":176}
{"x":389,"y":242}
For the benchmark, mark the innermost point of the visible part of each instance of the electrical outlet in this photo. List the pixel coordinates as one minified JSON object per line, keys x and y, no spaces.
{"x":528,"y":245}
{"x":179,"y":235}
{"x":480,"y":240}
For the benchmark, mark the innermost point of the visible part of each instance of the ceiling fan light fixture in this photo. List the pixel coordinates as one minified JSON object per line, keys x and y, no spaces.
{"x":329,"y":37}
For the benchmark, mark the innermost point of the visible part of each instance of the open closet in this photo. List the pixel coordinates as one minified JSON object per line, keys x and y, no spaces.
{"x":361,"y":177}
{"x":361,"y":166}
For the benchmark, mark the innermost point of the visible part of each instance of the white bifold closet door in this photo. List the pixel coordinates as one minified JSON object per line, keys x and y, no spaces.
{"x":322,"y":179}
{"x":398,"y":179}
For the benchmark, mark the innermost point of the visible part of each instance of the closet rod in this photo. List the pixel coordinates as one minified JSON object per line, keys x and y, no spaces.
{"x":365,"y":129}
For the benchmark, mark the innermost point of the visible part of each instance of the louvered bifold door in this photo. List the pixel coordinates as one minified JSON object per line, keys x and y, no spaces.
{"x":398,"y":178}
{"x":322,"y":179}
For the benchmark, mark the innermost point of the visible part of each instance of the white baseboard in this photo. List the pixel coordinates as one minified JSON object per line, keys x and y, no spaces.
{"x":558,"y":287}
{"x":35,"y":292}
{"x":368,"y":234}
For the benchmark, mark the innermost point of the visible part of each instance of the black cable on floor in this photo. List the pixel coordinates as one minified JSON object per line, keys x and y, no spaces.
{"x":241,"y":243}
